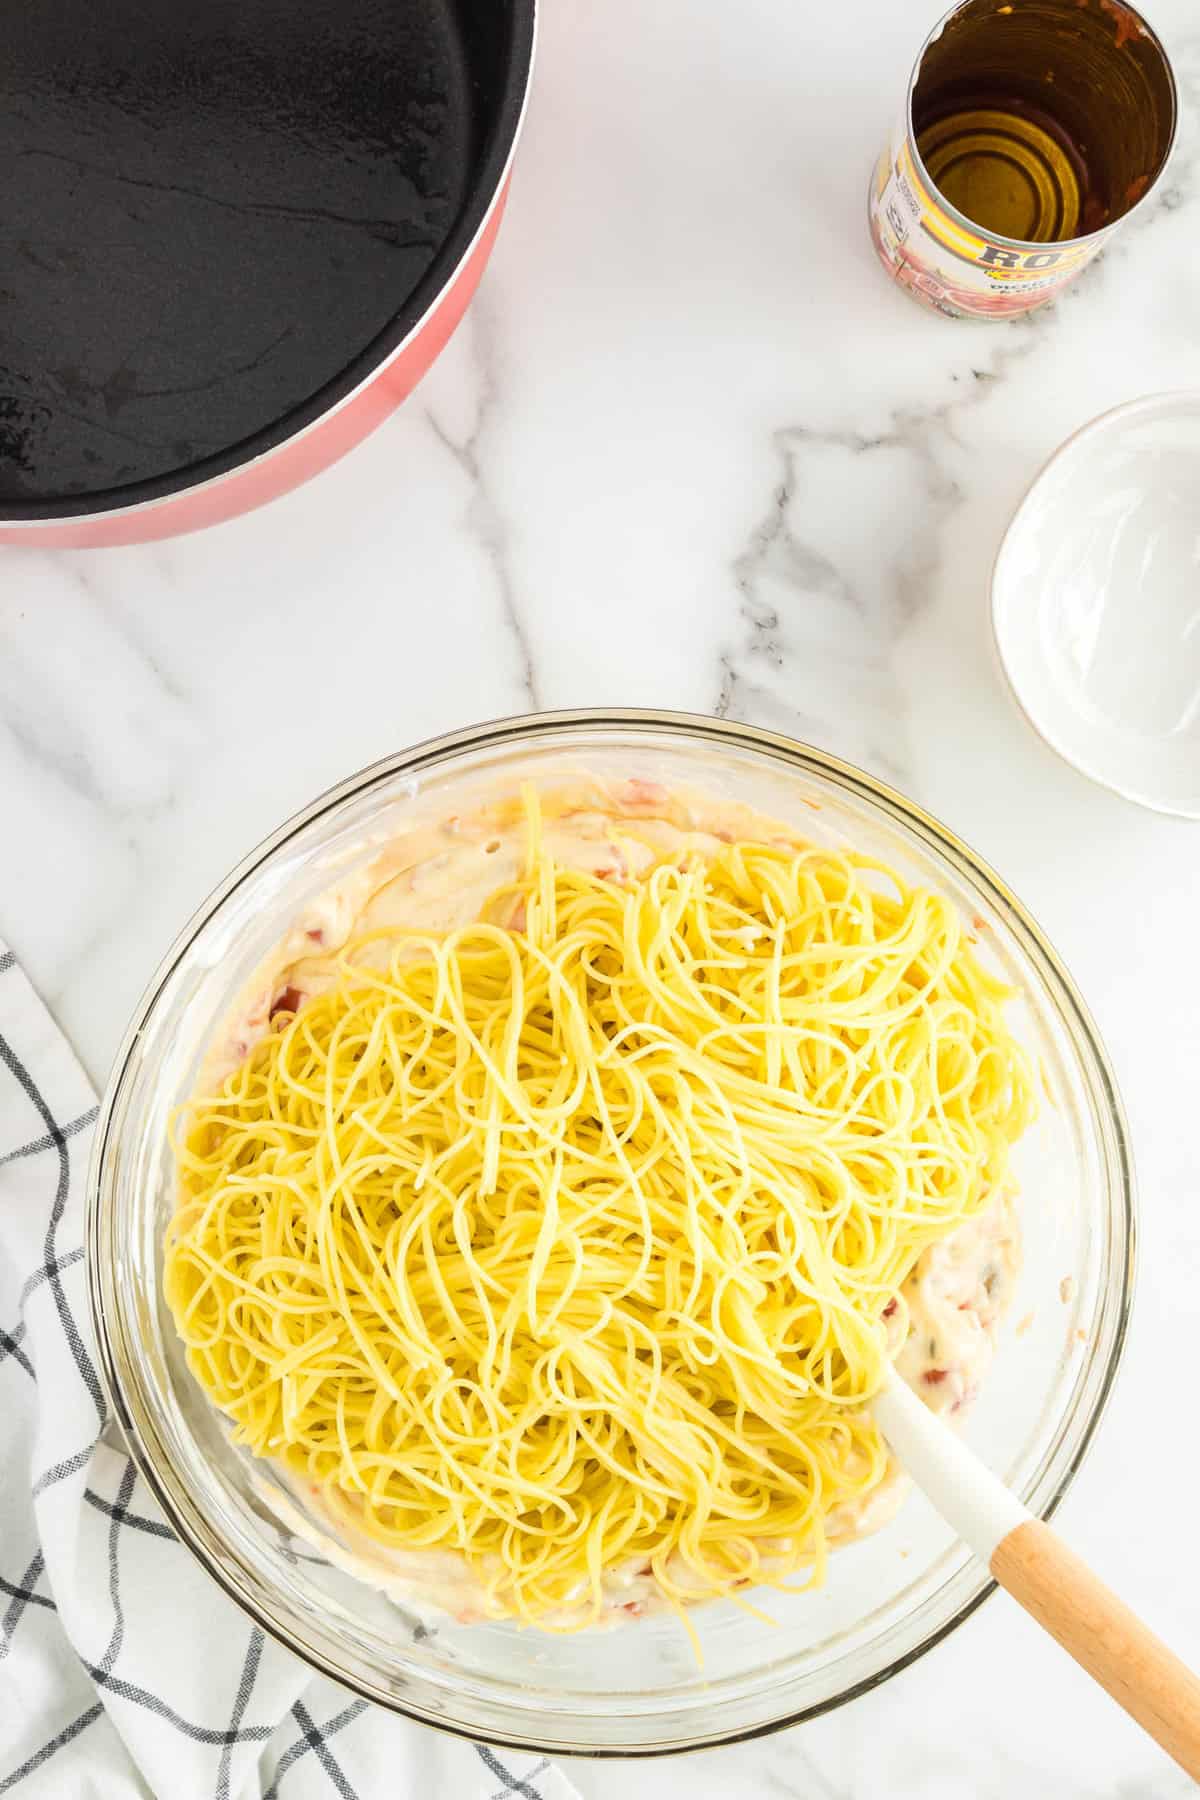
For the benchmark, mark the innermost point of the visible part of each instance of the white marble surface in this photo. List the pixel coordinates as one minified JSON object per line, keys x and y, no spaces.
{"x":690,"y":449}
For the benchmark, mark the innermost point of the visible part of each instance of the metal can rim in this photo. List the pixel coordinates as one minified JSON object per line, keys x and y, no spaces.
{"x":1022,"y":244}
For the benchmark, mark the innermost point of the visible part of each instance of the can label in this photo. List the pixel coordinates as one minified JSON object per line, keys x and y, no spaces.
{"x":948,"y":263}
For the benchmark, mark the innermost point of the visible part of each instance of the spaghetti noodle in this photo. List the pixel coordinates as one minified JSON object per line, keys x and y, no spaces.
{"x":563,"y":1240}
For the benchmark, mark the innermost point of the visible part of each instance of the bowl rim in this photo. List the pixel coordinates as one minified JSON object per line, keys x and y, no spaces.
{"x":190,"y":1524}
{"x":1163,"y":401}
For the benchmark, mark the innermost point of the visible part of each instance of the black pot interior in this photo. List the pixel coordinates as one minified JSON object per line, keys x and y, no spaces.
{"x":216,"y":214}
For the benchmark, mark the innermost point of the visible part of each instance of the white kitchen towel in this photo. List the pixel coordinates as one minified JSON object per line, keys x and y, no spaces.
{"x":124,"y":1670}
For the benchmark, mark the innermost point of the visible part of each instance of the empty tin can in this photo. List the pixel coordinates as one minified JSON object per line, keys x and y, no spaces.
{"x":1032,"y":130}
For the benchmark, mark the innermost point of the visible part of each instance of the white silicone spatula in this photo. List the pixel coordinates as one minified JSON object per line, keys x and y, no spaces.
{"x":1045,"y":1577}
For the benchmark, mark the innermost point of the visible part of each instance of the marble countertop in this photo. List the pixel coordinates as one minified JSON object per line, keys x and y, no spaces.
{"x":690,"y":449}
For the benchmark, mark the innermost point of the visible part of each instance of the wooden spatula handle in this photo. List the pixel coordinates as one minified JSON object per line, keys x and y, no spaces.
{"x":1101,"y":1633}
{"x":1046,"y":1578}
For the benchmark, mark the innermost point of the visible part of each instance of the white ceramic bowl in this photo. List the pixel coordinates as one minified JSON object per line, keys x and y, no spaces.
{"x":1096,"y":602}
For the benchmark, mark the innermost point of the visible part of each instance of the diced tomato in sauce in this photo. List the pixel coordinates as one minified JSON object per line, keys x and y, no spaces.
{"x":644,"y":793}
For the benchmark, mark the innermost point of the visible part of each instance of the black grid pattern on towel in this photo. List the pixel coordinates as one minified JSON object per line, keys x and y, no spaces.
{"x":510,"y":1783}
{"x":21,"y":1590}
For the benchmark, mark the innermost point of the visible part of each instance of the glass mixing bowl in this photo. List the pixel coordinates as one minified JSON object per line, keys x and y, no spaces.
{"x":636,"y":1689}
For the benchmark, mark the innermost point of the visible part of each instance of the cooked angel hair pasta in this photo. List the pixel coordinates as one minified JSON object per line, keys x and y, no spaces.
{"x":563,"y":1239}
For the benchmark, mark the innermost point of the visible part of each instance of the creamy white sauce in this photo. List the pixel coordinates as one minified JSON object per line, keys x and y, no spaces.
{"x":439,"y":878}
